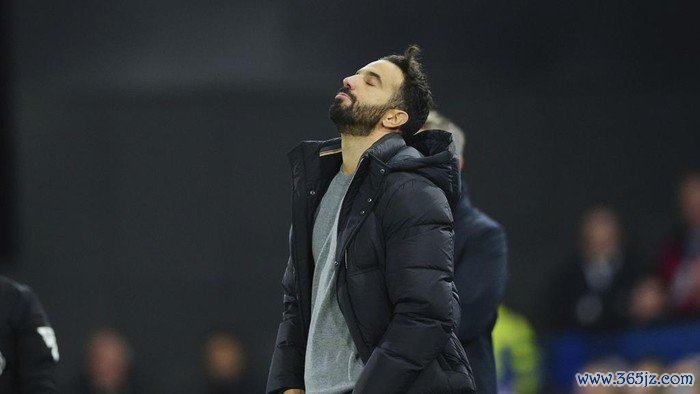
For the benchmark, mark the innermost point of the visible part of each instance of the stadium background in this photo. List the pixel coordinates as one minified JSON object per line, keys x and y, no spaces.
{"x":144,"y":145}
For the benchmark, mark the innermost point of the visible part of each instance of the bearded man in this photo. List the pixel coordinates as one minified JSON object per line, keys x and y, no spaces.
{"x":369,"y":301}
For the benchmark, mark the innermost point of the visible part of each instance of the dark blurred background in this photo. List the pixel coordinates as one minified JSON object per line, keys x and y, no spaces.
{"x":145,"y":183}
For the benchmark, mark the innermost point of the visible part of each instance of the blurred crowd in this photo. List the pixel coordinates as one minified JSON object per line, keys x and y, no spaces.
{"x":109,"y":367}
{"x":611,"y":308}
{"x":605,"y":290}
{"x":608,"y":285}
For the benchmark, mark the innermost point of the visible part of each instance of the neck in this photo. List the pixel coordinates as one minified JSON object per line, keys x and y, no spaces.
{"x":354,"y":146}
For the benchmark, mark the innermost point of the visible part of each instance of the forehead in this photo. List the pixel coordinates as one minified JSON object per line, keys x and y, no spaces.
{"x":389,"y":72}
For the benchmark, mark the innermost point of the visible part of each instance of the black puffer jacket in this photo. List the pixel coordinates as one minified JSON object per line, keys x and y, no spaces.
{"x":394,"y":256}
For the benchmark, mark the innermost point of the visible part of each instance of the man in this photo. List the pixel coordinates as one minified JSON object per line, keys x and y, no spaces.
{"x":369,"y":303}
{"x":28,"y":350}
{"x":593,"y":288}
{"x":680,"y":254}
{"x":481,"y":259}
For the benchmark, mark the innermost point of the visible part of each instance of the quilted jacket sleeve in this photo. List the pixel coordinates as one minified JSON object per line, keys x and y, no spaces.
{"x":37,"y":349}
{"x":287,"y":366}
{"x":418,"y":231}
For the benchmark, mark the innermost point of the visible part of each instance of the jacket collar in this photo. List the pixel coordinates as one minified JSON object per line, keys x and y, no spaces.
{"x":429,"y":153}
{"x":316,"y":160}
{"x":383,"y":149}
{"x":386,"y":147}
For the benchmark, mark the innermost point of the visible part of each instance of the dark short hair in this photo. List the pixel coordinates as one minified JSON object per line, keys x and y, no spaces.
{"x":414,"y":95}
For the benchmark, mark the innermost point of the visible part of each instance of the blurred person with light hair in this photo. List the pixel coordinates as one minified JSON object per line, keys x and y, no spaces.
{"x":480,"y":264}
{"x":437,"y":121}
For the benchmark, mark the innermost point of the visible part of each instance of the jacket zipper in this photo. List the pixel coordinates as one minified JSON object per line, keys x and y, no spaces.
{"x":297,"y":282}
{"x":352,"y":309}
{"x":359,"y":163}
{"x":345,"y":251}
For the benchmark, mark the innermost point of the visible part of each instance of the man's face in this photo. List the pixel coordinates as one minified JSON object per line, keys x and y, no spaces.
{"x":365,"y":97}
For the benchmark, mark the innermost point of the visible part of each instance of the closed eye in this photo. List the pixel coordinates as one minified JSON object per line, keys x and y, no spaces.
{"x":371,"y":77}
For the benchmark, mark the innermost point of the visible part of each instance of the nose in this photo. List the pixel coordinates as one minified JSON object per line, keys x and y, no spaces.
{"x":348,"y":82}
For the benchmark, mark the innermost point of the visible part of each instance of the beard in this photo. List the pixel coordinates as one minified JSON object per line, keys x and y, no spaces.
{"x":356,"y":119}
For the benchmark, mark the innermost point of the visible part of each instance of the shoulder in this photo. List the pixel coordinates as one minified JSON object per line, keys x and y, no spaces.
{"x":405,"y":185}
{"x":10,"y":287}
{"x":411,"y":197}
{"x":397,"y":180}
{"x":487,"y":226}
{"x":21,"y":302}
{"x":477,"y":224}
{"x":10,"y":291}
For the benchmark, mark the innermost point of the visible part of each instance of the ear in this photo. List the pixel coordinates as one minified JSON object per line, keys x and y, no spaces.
{"x":394,"y":118}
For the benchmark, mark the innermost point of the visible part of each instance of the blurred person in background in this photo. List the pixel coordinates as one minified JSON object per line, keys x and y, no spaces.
{"x":109,"y":365}
{"x":680,"y":254}
{"x":28,"y":348}
{"x":593,"y":289}
{"x":518,"y":359}
{"x":480,"y":266}
{"x":226,"y":366}
{"x":648,"y":300}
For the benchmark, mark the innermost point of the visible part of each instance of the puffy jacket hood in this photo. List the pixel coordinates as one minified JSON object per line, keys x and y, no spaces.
{"x":431,"y":154}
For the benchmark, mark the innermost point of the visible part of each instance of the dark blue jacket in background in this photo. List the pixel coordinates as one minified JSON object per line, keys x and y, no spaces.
{"x":480,"y":264}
